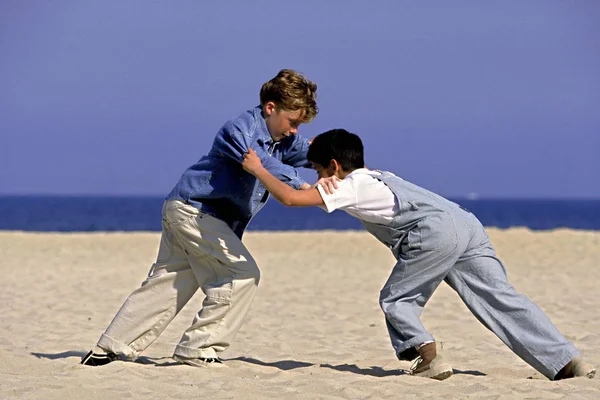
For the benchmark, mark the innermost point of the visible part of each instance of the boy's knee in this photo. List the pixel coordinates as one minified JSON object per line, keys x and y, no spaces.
{"x":387,"y":300}
{"x":250,"y":271}
{"x":256,"y":276}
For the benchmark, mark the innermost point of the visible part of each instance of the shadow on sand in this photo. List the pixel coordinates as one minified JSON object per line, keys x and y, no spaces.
{"x":284,"y":365}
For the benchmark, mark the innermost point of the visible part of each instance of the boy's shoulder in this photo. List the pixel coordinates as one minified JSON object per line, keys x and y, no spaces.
{"x":245,"y":123}
{"x":364,"y":174}
{"x":357,"y":180}
{"x":364,"y":179}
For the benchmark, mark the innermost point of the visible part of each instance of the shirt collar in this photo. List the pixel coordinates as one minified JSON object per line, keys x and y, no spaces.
{"x":363,"y":171}
{"x":263,"y":131}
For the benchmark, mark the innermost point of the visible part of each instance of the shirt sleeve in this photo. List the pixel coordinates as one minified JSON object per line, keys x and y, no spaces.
{"x":345,"y":196}
{"x":233,"y":141}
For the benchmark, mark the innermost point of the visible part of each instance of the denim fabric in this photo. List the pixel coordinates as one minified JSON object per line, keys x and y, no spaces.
{"x":218,"y":185}
{"x":435,"y":240}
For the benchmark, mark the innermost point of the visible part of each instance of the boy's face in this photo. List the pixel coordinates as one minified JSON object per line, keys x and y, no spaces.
{"x":281,"y":123}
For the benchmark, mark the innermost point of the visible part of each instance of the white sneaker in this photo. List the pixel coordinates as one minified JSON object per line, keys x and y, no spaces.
{"x":212,"y":362}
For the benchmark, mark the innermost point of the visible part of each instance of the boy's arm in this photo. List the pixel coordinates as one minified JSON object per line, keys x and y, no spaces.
{"x":233,"y":142}
{"x":282,"y":192}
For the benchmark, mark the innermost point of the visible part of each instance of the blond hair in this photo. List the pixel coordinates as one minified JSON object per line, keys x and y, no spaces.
{"x":291,"y":91}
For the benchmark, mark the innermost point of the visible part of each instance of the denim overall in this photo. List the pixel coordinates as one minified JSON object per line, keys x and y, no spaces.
{"x":434,"y":239}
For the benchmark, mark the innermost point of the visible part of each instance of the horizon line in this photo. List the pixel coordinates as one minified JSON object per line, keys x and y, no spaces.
{"x":132,"y":195}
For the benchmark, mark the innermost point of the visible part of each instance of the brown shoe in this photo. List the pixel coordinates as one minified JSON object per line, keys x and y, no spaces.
{"x":429,"y":364}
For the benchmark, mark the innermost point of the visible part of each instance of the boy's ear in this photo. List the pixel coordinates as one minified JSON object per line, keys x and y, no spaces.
{"x":269,"y":108}
{"x":335,"y":165}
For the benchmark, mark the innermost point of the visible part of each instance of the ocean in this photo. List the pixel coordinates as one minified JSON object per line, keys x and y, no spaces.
{"x":88,"y":214}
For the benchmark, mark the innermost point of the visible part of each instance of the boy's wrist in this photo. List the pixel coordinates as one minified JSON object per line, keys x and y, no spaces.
{"x":260,"y":170}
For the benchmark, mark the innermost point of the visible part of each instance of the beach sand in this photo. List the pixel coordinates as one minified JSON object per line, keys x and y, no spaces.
{"x":315,"y":330}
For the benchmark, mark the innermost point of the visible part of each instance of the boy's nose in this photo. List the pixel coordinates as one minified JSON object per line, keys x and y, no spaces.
{"x":294,"y":131}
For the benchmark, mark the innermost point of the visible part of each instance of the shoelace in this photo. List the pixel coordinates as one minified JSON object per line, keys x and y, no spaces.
{"x":213,"y":360}
{"x":415,"y":364}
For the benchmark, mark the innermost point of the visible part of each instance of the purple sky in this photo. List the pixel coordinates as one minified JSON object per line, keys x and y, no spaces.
{"x":119,"y":97}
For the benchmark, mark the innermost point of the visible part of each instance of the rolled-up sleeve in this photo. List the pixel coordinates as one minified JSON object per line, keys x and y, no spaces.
{"x":284,"y":173}
{"x":345,"y":196}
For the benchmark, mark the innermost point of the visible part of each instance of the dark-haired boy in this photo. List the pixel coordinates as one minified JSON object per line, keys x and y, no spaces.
{"x":432,"y":239}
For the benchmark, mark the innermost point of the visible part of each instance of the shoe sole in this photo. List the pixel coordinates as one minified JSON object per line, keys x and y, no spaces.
{"x":442,"y":375}
{"x":444,"y":372}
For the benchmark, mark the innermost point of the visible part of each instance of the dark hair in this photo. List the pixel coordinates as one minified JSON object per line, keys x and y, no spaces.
{"x":339,"y":144}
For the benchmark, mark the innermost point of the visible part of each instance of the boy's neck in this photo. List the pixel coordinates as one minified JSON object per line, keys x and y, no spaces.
{"x":343,"y":173}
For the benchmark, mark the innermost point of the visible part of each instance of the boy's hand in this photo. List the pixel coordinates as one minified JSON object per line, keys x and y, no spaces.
{"x":251,"y":162}
{"x":329,"y":184}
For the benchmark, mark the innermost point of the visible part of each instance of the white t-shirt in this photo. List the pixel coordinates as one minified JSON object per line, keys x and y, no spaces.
{"x":363,"y":196}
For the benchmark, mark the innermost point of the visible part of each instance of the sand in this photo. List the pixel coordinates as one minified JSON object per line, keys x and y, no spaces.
{"x":315,"y":330}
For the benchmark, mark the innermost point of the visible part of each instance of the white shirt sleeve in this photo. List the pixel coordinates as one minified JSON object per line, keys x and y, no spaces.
{"x":342,"y":197}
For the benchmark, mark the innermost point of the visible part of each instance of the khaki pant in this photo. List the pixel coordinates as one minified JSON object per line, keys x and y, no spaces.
{"x":196,"y":251}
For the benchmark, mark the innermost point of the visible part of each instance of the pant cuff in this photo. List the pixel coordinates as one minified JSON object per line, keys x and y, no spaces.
{"x":114,"y":346}
{"x":190,"y":352}
{"x":406,"y":351}
{"x":560,"y":361}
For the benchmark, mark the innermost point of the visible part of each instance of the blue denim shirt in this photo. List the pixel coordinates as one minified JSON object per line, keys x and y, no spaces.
{"x":218,"y":185}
